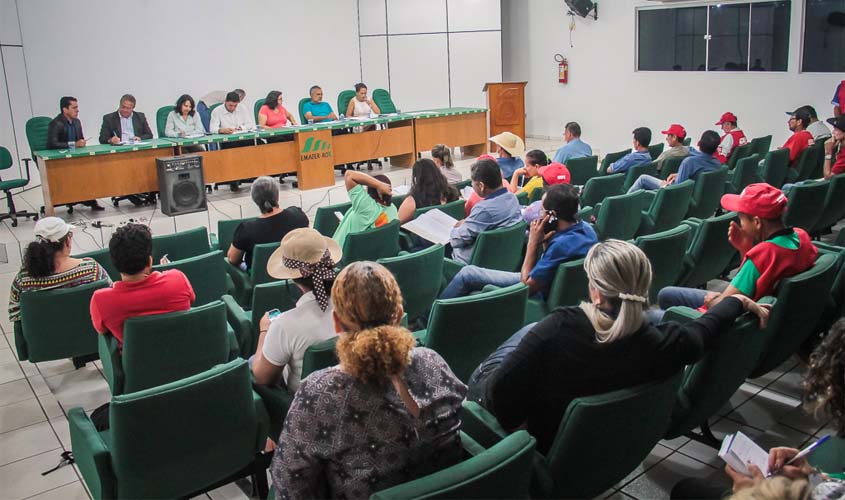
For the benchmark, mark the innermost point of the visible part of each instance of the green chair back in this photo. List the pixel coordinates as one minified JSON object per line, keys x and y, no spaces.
{"x":226,"y":232}
{"x":501,"y":471}
{"x":181,"y":245}
{"x":301,"y":108}
{"x":161,"y":118}
{"x":522,"y":198}
{"x":397,"y":199}
{"x":536,"y":195}
{"x":636,"y":171}
{"x":611,"y":158}
{"x":325,"y":220}
{"x":665,"y":250}
{"x":569,"y":287}
{"x":805,"y":205}
{"x":830,"y":455}
{"x":671,"y":166}
{"x":797,"y":311}
{"x":36,"y":133}
{"x":834,"y":207}
{"x":260,"y":256}
{"x":655,"y":149}
{"x":745,"y":173}
{"x":256,"y":107}
{"x":687,"y":141}
{"x":454,"y":209}
{"x":805,"y":165}
{"x":500,"y":248}
{"x":5,"y":158}
{"x":419,"y":275}
{"x":64,"y":332}
{"x":619,"y":216}
{"x":775,"y":167}
{"x":599,"y":188}
{"x":582,"y":169}
{"x":104,"y":259}
{"x":818,"y":171}
{"x":709,"y":252}
{"x":480,"y":332}
{"x":343,"y":101}
{"x":668,"y":208}
{"x":762,"y":145}
{"x":709,"y":384}
{"x":206,"y":273}
{"x":319,"y":356}
{"x":637,"y":416}
{"x":461,"y":185}
{"x":382,"y":99}
{"x":709,"y":188}
{"x":739,"y":153}
{"x":372,"y":244}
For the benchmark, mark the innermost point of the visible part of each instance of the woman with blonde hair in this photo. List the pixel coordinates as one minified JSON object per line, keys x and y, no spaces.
{"x":442,"y":156}
{"x":388,"y":413}
{"x":600,"y":346}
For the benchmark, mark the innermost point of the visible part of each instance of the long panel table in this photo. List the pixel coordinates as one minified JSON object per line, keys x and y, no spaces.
{"x":310,"y":151}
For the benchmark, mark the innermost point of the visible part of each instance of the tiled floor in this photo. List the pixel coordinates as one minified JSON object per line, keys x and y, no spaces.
{"x":35,"y":398}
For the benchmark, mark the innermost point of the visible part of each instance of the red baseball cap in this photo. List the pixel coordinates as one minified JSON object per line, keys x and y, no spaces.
{"x":485,"y":156}
{"x":555,"y":173}
{"x":676,"y":130}
{"x":727,"y":117}
{"x":760,"y":200}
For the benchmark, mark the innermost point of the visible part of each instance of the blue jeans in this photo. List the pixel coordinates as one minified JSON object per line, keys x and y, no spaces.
{"x":473,"y":278}
{"x":675,"y":296}
{"x":481,"y":376}
{"x":647,"y":182}
{"x":205,"y":115}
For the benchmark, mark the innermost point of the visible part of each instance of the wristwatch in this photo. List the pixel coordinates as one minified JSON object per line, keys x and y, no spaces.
{"x":828,"y":157}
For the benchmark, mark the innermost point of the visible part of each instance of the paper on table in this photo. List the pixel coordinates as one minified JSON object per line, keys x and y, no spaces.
{"x":194,"y":136}
{"x":434,"y":226}
{"x":738,"y":450}
{"x":133,"y":143}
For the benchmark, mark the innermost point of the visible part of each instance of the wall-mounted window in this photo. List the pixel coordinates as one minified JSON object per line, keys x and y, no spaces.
{"x":722,"y":37}
{"x":824,"y":36}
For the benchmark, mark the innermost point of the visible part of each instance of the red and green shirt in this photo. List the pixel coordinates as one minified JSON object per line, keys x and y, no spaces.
{"x":786,"y":253}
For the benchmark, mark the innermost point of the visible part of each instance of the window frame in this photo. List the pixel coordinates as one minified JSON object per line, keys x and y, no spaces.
{"x":801,"y":44}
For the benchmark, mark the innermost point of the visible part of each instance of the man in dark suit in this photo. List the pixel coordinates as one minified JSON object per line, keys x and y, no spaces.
{"x":125,"y":124}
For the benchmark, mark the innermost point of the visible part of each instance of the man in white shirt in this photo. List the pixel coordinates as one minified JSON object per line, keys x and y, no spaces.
{"x":228,"y":119}
{"x":214,"y":97}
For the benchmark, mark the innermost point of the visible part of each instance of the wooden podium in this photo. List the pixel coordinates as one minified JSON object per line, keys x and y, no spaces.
{"x":506,"y":108}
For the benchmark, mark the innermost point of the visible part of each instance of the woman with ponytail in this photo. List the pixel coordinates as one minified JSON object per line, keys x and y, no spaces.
{"x":600,"y":346}
{"x":388,"y":413}
{"x":269,"y":227}
{"x":442,"y":156}
{"x":47,"y":264}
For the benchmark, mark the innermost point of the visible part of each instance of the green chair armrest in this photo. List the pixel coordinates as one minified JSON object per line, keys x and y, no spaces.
{"x":112,"y":363}
{"x":535,"y":310}
{"x":20,"y":342}
{"x":481,"y":425}
{"x":213,"y":241}
{"x":421,"y":336}
{"x":234,"y":347}
{"x":262,"y":416}
{"x":451,"y":267}
{"x":406,"y":242}
{"x":91,"y":455}
{"x":242,"y":284}
{"x":470,"y":445}
{"x":681,"y":314}
{"x":241,"y":323}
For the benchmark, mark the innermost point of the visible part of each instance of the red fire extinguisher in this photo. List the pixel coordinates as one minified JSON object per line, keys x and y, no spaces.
{"x":562,"y":69}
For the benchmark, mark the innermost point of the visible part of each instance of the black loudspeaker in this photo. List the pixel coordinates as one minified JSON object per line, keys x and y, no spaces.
{"x":582,"y":7}
{"x":181,"y":184}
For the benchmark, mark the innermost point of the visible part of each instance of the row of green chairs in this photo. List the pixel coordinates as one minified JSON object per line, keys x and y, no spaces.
{"x":816,"y":206}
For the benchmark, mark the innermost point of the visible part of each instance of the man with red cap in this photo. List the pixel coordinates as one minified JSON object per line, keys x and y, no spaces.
{"x":770,"y":252}
{"x":801,"y":139}
{"x":733,"y":137}
{"x":675,"y":136}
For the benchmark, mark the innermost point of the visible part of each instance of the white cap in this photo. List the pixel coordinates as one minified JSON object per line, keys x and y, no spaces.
{"x":51,"y":229}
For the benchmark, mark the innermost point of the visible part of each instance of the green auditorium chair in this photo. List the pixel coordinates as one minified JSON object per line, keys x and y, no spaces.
{"x":654,"y":150}
{"x":104,"y":259}
{"x":161,"y":348}
{"x":161,"y":118}
{"x":181,"y":245}
{"x":805,"y":205}
{"x":463,"y":184}
{"x":688,"y":141}
{"x":301,"y":108}
{"x":281,"y":295}
{"x":582,"y":169}
{"x":500,"y":471}
{"x":706,"y":197}
{"x":835,"y":307}
{"x":222,"y":239}
{"x":796,"y":312}
{"x":382,"y":99}
{"x":397,"y":199}
{"x":245,"y":281}
{"x":599,"y":188}
{"x":805,"y":165}
{"x":419,"y":277}
{"x":480,"y":333}
{"x":371,"y":244}
{"x":775,"y":167}
{"x":834,"y":205}
{"x":343,"y":101}
{"x":745,"y":173}
{"x":454,"y":209}
{"x":536,"y":195}
{"x":499,"y":249}
{"x":568,"y":288}
{"x":667,"y":209}
{"x":8,"y":185}
{"x":665,"y":251}
{"x":671,"y":166}
{"x":56,"y":324}
{"x":176,"y":440}
{"x":636,"y":171}
{"x":739,"y":153}
{"x":619,"y":216}
{"x":326,"y":221}
{"x":522,"y":198}
{"x":257,"y":107}
{"x":709,"y":251}
{"x":577,"y":464}
{"x":206,"y":273}
{"x":611,"y":158}
{"x":708,"y":384}
{"x":762,"y":145}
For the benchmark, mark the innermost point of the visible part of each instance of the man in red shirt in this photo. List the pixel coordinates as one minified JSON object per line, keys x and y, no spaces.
{"x":801,"y":139}
{"x":140,"y":291}
{"x":836,"y":142}
{"x":733,"y":137}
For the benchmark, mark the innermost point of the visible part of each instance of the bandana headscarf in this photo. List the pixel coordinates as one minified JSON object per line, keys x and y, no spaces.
{"x":319,"y":271}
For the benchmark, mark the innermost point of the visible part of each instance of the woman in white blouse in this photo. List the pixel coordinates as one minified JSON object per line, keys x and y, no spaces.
{"x":361,"y":105}
{"x":184,"y":121}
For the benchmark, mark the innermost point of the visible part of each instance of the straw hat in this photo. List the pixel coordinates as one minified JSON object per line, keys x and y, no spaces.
{"x":300,"y":249}
{"x":510,"y":142}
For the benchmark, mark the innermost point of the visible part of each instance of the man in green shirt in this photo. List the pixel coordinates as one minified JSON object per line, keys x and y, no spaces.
{"x":371,"y":204}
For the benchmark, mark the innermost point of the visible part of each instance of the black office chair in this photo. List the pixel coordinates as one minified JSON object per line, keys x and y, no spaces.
{"x":8,"y":185}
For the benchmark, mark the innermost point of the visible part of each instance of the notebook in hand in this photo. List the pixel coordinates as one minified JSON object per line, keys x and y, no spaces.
{"x":738,"y":450}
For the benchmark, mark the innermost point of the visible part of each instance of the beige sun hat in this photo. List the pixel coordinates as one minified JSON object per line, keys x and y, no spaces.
{"x":510,"y":142}
{"x":300,"y":249}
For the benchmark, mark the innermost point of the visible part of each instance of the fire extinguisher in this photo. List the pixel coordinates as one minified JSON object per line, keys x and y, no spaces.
{"x":562,"y":69}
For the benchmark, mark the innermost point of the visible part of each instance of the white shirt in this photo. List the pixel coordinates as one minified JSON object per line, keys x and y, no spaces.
{"x":819,"y":130}
{"x":361,"y":108}
{"x":293,"y":332}
{"x":176,"y":125}
{"x":127,"y":130}
{"x":221,"y":118}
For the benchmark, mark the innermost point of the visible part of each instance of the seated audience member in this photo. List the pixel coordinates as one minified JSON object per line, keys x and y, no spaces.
{"x":835,"y":148}
{"x":184,"y":121}
{"x":839,"y":100}
{"x":733,"y":137}
{"x":639,"y":156}
{"x":552,"y":175}
{"x":140,"y":291}
{"x":675,"y":136}
{"x":387,"y":414}
{"x":428,"y":187}
{"x":498,"y":208}
{"x":696,"y":163}
{"x":558,"y":236}
{"x":371,"y":204}
{"x":473,"y":198}
{"x":816,"y":128}
{"x":770,"y":252}
{"x":308,"y":258}
{"x":538,"y":172}
{"x":273,"y":114}
{"x":574,"y":147}
{"x":66,"y":130}
{"x":271,"y":226}
{"x":47,"y":264}
{"x":316,"y":110}
{"x":442,"y":156}
{"x":800,"y":138}
{"x":361,"y":105}
{"x":125,"y":124}
{"x":602,"y":345}
{"x":510,"y":148}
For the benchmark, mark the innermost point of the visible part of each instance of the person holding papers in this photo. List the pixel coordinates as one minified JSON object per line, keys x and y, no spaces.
{"x":428,"y":187}
{"x":558,"y":235}
{"x":125,"y":125}
{"x":371,"y":204}
{"x":184,"y":121}
{"x":316,"y":110}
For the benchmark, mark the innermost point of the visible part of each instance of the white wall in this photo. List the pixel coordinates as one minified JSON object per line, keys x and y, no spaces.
{"x":609,"y":98}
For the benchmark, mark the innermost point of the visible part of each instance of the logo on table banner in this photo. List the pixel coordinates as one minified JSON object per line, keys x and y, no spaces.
{"x":314,"y":149}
